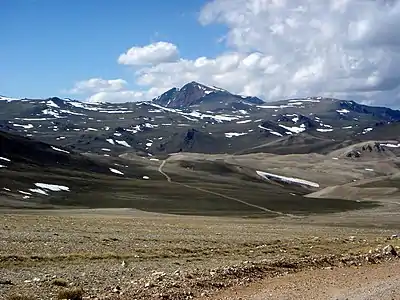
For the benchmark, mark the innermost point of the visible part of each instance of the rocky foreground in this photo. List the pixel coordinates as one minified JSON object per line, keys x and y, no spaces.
{"x":124,"y":277}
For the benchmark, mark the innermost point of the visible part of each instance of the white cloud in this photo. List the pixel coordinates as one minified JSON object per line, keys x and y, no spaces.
{"x":287,"y":48}
{"x":125,"y":96}
{"x":150,"y":55}
{"x":96,"y":85}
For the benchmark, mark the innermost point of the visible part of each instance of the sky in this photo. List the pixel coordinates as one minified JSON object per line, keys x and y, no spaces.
{"x":122,"y":50}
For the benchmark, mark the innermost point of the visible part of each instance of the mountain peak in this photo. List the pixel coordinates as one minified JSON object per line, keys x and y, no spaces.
{"x":194,"y":94}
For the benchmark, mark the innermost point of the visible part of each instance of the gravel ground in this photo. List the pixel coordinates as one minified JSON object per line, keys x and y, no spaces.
{"x":370,"y":282}
{"x":125,"y":254}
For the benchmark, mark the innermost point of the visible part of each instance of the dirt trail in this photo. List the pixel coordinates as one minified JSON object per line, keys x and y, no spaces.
{"x":160,"y":169}
{"x":371,"y":282}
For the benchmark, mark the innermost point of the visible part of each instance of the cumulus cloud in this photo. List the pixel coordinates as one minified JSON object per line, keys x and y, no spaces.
{"x":152,"y":54}
{"x":287,"y":48}
{"x":96,"y":85}
{"x":282,"y":48}
{"x":125,"y":96}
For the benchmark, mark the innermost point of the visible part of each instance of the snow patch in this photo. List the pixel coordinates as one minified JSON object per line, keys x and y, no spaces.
{"x":391,"y":145}
{"x":243,"y":122}
{"x":38,"y":191}
{"x":294,"y":129}
{"x":115,"y":171}
{"x":287,"y":179}
{"x":123,"y":143}
{"x":232,"y":134}
{"x":51,"y":103}
{"x":270,"y":130}
{"x":24,"y":193}
{"x":52,"y":187}
{"x":29,"y":126}
{"x":366,"y":130}
{"x":59,"y":150}
{"x":111,"y":141}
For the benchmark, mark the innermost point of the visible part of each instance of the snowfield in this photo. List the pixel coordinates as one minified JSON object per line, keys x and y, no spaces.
{"x":287,"y":179}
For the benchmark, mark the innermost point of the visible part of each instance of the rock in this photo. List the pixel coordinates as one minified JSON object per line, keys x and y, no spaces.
{"x":389,"y":250}
{"x":6,"y":282}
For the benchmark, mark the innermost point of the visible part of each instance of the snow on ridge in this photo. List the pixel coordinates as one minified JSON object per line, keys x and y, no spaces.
{"x":287,"y":179}
{"x":324,"y":129}
{"x":82,"y":105}
{"x":198,"y":114}
{"x":389,"y":145}
{"x":123,"y":143}
{"x":51,"y":103}
{"x":8,"y":99}
{"x":65,"y":111}
{"x":5,"y":159}
{"x":305,"y":100}
{"x":51,"y":112}
{"x":52,"y":187}
{"x":270,"y":130}
{"x":59,"y":150}
{"x":294,"y":129}
{"x":342,"y":111}
{"x":111,"y":141}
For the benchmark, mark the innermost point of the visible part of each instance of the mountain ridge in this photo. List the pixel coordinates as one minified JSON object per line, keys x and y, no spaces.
{"x":215,"y":121}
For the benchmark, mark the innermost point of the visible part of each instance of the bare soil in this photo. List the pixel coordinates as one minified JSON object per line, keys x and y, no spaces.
{"x":369,"y":282}
{"x":129,"y":254}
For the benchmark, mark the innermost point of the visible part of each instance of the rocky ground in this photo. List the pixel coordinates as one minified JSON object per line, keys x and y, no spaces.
{"x":126,"y":254}
{"x":367,"y":282}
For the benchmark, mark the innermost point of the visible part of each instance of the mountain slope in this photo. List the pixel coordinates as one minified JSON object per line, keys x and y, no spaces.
{"x":220,"y":122}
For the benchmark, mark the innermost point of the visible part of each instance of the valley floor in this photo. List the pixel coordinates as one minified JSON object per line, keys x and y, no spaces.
{"x":130,"y":254}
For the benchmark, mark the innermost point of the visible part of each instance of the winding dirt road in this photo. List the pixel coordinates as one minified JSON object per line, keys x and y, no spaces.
{"x":160,"y":169}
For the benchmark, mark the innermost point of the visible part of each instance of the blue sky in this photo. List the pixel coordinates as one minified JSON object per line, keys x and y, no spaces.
{"x":128,"y":50}
{"x":47,"y":45}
